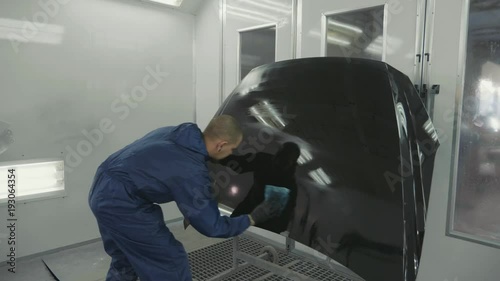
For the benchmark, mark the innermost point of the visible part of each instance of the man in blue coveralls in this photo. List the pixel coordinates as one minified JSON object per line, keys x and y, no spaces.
{"x":168,"y":164}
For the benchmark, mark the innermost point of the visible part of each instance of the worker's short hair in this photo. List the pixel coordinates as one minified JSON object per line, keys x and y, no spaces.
{"x":224,"y":127}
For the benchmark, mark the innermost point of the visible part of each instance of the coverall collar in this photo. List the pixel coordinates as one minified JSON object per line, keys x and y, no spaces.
{"x":189,"y":136}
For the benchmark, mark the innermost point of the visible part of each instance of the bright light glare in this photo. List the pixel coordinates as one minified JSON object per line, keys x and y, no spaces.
{"x":486,"y":86}
{"x":345,"y":26}
{"x":332,"y":38}
{"x":32,"y":178}
{"x":305,"y":156}
{"x":267,"y":114}
{"x":495,"y":124}
{"x":175,"y":3}
{"x":431,"y":131}
{"x":270,"y":7}
{"x":335,"y":39}
{"x":30,"y":32}
{"x":320,"y":176}
{"x":234,"y":190}
{"x":376,"y":47}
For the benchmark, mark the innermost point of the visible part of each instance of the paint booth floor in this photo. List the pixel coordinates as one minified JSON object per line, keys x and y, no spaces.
{"x":209,"y":257}
{"x":89,"y":262}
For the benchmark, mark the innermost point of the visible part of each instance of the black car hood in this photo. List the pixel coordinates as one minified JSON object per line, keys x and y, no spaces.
{"x":366,"y":165}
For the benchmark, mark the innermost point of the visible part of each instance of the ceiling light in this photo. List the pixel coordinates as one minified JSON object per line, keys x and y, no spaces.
{"x":35,"y":178}
{"x":175,"y":3}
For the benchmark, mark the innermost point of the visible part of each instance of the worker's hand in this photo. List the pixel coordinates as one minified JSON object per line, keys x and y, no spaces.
{"x":265,"y":211}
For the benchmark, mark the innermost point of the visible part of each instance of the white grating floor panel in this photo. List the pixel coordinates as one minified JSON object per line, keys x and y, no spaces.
{"x":212,"y":260}
{"x":247,"y":273}
{"x":215,"y":259}
{"x":218,"y":258}
{"x":277,"y":278}
{"x":317,"y":272}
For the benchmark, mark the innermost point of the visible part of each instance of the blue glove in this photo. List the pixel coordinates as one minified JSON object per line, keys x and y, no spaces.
{"x":275,"y":199}
{"x":278,"y":195}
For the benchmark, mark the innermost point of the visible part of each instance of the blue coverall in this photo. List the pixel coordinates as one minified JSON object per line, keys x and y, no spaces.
{"x":168,"y":164}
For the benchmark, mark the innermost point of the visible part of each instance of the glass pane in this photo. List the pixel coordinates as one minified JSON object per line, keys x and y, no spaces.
{"x":477,"y":200}
{"x":356,"y":34}
{"x":257,"y":47}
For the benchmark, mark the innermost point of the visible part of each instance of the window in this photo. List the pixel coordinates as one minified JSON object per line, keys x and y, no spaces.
{"x":355,"y":34}
{"x":257,"y":47}
{"x":31,"y":179}
{"x":476,"y":178}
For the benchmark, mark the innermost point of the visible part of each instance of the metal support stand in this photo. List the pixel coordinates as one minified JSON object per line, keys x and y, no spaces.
{"x":290,"y":245}
{"x":260,"y":259}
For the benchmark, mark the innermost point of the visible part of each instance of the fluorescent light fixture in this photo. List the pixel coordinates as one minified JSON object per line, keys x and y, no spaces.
{"x":274,"y":114}
{"x":267,"y":114}
{"x":175,"y":3}
{"x":276,"y":4}
{"x":320,"y":176}
{"x":29,"y":32}
{"x":242,"y":12}
{"x":249,"y":17}
{"x":430,"y":130}
{"x":31,"y":179}
{"x":305,"y":157}
{"x":273,"y":8}
{"x":254,"y":111}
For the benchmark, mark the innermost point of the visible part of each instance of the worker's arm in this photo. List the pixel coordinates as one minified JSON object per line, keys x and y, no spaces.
{"x":194,"y":198}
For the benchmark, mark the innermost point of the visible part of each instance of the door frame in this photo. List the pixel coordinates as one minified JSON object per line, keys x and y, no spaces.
{"x":324,"y":18}
{"x":238,"y":46}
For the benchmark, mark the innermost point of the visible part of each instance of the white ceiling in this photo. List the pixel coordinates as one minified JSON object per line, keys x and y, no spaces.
{"x":191,"y":6}
{"x":187,"y":6}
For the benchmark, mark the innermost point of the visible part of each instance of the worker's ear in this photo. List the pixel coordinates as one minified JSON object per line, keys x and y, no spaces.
{"x":221,"y":145}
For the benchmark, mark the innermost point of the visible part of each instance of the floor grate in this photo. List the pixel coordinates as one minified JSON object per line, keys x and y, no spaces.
{"x":277,"y":278}
{"x":216,"y":259}
{"x":317,"y":272}
{"x":212,"y":260}
{"x":247,"y":273}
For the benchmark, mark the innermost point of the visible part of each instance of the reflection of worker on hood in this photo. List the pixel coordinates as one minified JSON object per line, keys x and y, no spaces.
{"x":268,"y":169}
{"x":286,"y":158}
{"x":6,"y":137}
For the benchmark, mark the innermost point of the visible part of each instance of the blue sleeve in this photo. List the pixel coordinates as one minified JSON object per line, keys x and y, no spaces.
{"x":193,"y":195}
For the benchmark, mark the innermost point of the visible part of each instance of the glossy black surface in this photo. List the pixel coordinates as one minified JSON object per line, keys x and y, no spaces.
{"x":365,"y":170}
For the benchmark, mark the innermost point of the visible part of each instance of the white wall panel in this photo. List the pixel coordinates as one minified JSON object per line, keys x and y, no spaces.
{"x":400,"y":23}
{"x":208,"y":61}
{"x":246,"y":14}
{"x":76,"y":66}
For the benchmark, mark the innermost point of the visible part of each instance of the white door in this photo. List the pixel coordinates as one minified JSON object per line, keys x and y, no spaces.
{"x":462,"y":239}
{"x":255,"y":32}
{"x":384,"y":30}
